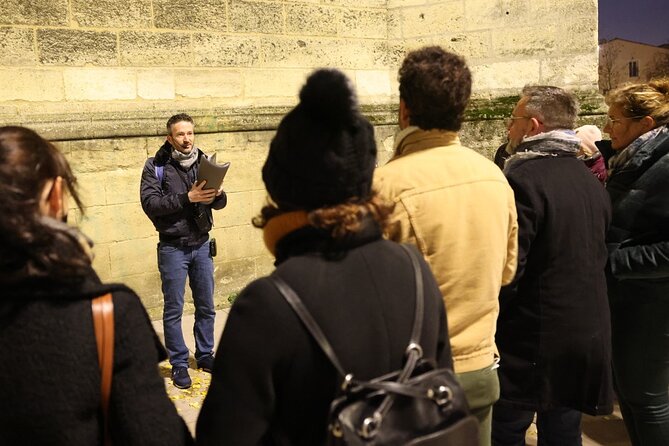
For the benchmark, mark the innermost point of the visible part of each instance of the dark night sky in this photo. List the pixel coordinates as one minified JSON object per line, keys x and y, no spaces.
{"x":645,"y":21}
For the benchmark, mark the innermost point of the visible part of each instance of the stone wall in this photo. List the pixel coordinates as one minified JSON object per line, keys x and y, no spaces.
{"x":102,"y":77}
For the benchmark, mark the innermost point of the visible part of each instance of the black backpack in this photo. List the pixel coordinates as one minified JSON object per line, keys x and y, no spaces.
{"x":418,"y":405}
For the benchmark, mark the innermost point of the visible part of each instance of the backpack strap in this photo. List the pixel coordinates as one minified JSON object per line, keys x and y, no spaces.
{"x":103,"y":323}
{"x":159,"y":173}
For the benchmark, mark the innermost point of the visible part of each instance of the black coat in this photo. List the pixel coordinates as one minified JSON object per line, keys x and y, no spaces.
{"x":271,"y":383}
{"x":639,"y":236}
{"x":166,"y":203}
{"x":553,"y":331}
{"x":50,"y":393}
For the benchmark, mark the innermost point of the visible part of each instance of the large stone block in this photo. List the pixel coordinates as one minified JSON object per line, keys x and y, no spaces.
{"x":324,"y":52}
{"x":112,"y":13}
{"x":130,"y":257}
{"x":578,"y":70}
{"x":208,"y":83}
{"x":212,"y":50}
{"x":373,"y":83}
{"x":434,"y":19}
{"x":107,"y":155}
{"x":284,"y":83}
{"x":239,"y":242}
{"x":311,"y":20}
{"x":91,"y":187}
{"x":116,"y":223}
{"x":486,"y":14}
{"x":190,"y":14}
{"x":98,"y":84}
{"x":17,"y":46}
{"x":579,"y":37}
{"x":34,"y":12}
{"x":140,"y":48}
{"x":370,"y":24}
{"x":147,"y":286}
{"x":360,"y":3}
{"x":230,"y":277}
{"x":256,"y":17}
{"x":155,"y":84}
{"x":527,"y":41}
{"x":505,"y":76}
{"x":238,"y":212}
{"x":101,"y":261}
{"x":474,"y":45}
{"x":31,"y":85}
{"x":122,"y":186}
{"x":76,"y":47}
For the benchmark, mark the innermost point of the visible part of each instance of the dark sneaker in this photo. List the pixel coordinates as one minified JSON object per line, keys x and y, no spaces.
{"x":180,"y":377}
{"x":206,"y":364}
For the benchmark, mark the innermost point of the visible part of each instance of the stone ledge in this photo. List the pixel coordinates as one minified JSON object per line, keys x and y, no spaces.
{"x":74,"y":121}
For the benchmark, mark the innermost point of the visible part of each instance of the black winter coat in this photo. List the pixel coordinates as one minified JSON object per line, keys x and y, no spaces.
{"x":167,"y":205}
{"x":639,"y":236}
{"x":51,"y":382}
{"x":272,"y":385}
{"x":553,"y":331}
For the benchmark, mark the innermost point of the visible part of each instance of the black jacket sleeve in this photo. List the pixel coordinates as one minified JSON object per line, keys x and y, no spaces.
{"x":155,"y":202}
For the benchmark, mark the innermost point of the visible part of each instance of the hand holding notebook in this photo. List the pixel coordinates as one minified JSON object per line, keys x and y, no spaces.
{"x":212,"y":172}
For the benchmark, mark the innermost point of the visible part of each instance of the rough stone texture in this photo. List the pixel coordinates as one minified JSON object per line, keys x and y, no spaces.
{"x":215,"y":50}
{"x":138,"y":48}
{"x":17,"y":47}
{"x":208,"y":83}
{"x":364,"y":24}
{"x":190,"y":14}
{"x":312,"y":20}
{"x":373,"y":82}
{"x":437,"y":19}
{"x":75,"y":47}
{"x":256,"y":17}
{"x":505,"y":76}
{"x":112,"y":13}
{"x":31,"y":85}
{"x":34,"y":12}
{"x":155,"y":84}
{"x":525,"y":42}
{"x":91,"y":84}
{"x":285,"y":83}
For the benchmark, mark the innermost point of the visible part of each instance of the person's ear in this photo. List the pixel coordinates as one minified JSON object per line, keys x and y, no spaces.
{"x":404,"y":115}
{"x":648,"y":123}
{"x":55,"y":200}
{"x":170,"y":140}
{"x":536,"y":127}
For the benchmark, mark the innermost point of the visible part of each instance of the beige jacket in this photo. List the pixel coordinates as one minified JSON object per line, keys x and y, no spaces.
{"x":458,"y":208}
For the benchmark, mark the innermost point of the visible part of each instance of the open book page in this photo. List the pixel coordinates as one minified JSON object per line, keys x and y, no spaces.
{"x":212,"y":172}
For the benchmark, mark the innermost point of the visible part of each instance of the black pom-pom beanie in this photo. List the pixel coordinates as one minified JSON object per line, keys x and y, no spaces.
{"x":324,"y":150}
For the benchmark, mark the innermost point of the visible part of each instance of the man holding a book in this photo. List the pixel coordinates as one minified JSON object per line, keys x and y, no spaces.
{"x":179,"y":203}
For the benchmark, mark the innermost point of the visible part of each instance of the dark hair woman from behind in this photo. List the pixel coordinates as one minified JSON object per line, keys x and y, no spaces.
{"x":271,"y":383}
{"x":638,"y":240}
{"x":51,"y":383}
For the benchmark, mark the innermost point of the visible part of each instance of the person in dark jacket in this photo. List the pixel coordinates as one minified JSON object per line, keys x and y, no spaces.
{"x":271,"y":383}
{"x":180,"y":210}
{"x":553,"y":330}
{"x":638,"y":267}
{"x":51,"y":385}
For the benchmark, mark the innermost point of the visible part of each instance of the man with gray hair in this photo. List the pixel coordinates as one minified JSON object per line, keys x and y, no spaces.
{"x":553,"y":330}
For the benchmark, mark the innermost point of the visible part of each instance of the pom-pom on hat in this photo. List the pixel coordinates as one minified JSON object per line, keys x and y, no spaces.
{"x":324,"y":151}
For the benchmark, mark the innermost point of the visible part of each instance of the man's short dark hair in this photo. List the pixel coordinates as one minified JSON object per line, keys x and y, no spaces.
{"x":435,"y":85}
{"x":555,"y":107}
{"x":178,"y":118}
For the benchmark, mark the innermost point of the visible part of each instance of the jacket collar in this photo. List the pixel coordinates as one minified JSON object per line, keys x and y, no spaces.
{"x":414,"y":139}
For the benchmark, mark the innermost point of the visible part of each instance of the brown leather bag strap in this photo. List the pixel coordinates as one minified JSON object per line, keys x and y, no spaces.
{"x":103,"y":322}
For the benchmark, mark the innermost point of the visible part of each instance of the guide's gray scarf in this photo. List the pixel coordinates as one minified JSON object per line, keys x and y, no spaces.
{"x":186,"y":160}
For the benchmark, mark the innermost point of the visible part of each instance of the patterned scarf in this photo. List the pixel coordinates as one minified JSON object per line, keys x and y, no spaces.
{"x":620,"y":159}
{"x":185,"y":159}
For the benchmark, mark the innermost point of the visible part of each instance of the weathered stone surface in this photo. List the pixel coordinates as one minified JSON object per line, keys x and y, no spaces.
{"x":364,"y":24}
{"x":117,"y":223}
{"x":155,"y":84}
{"x":147,"y":287}
{"x":231,"y":276}
{"x":139,"y":48}
{"x":75,"y":47}
{"x":131,"y":257}
{"x":268,"y":83}
{"x":578,"y":37}
{"x":34,"y":12}
{"x":359,"y":3}
{"x":434,"y":19}
{"x":95,"y":84}
{"x":239,"y":242}
{"x":101,"y":261}
{"x":213,"y":50}
{"x":256,"y":17}
{"x":107,"y":155}
{"x":239,"y":210}
{"x":122,"y":186}
{"x":505,"y":76}
{"x":312,"y":20}
{"x":580,"y":70}
{"x":208,"y":83}
{"x":17,"y":47}
{"x":31,"y":85}
{"x":373,"y":83}
{"x":91,"y":185}
{"x":525,"y":41}
{"x":190,"y":14}
{"x":484,"y":14}
{"x":112,"y":13}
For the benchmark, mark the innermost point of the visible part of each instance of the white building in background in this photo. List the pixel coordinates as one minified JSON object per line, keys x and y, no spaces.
{"x":622,"y":61}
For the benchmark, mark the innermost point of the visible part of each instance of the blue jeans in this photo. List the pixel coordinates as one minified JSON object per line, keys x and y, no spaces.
{"x":174,"y":264}
{"x":641,"y":367}
{"x":556,"y":427}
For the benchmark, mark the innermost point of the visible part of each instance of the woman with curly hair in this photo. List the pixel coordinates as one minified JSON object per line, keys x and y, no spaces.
{"x":50,"y":393}
{"x":638,"y":268}
{"x":271,"y":383}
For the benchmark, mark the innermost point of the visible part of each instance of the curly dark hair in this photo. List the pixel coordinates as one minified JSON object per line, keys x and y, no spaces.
{"x":435,"y":85}
{"x":30,"y":246}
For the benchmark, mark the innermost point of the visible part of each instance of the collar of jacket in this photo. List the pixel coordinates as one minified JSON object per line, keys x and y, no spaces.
{"x":554,"y":143}
{"x":649,"y":151}
{"x":414,"y":139}
{"x":164,"y":155}
{"x":312,"y":240}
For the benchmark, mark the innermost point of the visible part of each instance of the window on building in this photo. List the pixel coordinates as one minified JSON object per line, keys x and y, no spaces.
{"x":633,"y":68}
